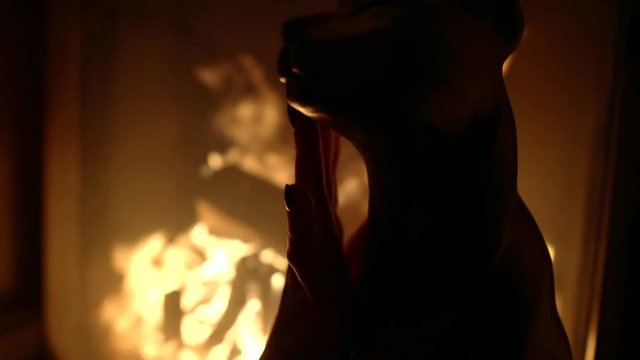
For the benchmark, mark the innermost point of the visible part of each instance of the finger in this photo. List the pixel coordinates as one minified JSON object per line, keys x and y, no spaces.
{"x":310,"y":167}
{"x":316,"y":161}
{"x":300,"y":235}
{"x":301,"y":217}
{"x":308,"y":245}
{"x":315,"y":258}
{"x":307,"y":252}
{"x":329,"y":146}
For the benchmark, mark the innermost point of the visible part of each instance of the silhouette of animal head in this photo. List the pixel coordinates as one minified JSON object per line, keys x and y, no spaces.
{"x":371,"y":60}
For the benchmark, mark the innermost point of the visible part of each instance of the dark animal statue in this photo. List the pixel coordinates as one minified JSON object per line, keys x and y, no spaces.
{"x":449,"y":264}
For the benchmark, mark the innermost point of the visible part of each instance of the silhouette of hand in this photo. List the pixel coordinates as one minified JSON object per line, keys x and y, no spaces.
{"x":313,"y":318}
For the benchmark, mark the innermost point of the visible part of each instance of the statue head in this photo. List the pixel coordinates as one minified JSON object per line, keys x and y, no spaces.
{"x":369,"y":60}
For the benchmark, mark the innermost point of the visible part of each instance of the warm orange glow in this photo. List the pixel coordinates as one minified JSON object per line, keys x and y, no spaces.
{"x":253,"y":121}
{"x":507,"y":65}
{"x":552,"y":251}
{"x":177,"y":294}
{"x":157,"y":267}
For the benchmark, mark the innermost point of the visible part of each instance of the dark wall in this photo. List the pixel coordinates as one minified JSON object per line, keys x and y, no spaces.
{"x":619,"y":332}
{"x":21,"y":89}
{"x":21,"y":75}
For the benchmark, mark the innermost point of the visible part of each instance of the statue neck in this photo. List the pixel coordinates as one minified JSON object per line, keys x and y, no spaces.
{"x":419,"y":169}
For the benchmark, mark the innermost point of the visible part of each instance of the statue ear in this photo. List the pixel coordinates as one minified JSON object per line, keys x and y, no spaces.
{"x":505,"y":15}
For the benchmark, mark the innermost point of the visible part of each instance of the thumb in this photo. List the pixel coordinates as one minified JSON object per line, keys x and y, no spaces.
{"x":302,"y":225}
{"x":315,"y":255}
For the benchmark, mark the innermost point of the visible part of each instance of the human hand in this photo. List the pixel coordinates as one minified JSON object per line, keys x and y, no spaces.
{"x":313,"y":319}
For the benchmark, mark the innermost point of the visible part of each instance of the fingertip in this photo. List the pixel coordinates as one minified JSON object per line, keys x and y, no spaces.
{"x":288,"y":197}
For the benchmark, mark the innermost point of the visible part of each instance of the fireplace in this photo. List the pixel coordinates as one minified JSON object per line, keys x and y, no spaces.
{"x":167,"y":147}
{"x":180,"y":149}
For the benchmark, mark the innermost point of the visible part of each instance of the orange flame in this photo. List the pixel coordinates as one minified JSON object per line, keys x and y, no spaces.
{"x":155,"y":268}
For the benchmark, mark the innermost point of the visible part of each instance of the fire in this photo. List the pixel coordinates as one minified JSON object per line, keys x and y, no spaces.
{"x":195,"y":273}
{"x":199,"y":295}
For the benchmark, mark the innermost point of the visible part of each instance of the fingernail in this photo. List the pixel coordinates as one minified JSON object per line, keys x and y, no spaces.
{"x":291,"y":112}
{"x":288,"y":197}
